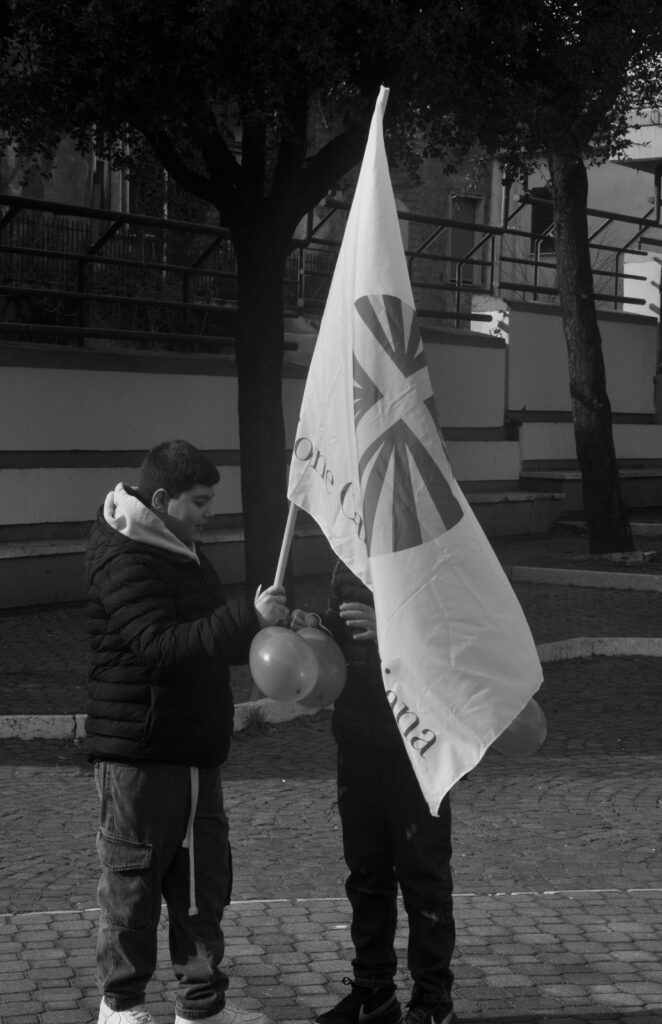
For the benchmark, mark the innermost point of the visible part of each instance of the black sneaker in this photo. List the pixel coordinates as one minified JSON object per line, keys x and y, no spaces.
{"x":429,"y":1013}
{"x":364,"y":1005}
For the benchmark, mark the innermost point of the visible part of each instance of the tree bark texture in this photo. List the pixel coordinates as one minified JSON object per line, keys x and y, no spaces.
{"x":259,"y":359}
{"x":604,"y":508}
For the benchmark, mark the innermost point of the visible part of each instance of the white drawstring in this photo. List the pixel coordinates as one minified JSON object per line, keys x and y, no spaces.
{"x":188,"y":843}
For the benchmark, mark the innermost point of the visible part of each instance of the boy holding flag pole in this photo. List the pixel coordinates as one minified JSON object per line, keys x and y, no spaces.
{"x":449,"y":645}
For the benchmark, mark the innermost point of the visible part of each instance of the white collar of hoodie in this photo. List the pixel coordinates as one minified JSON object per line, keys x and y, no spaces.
{"x":130,"y":517}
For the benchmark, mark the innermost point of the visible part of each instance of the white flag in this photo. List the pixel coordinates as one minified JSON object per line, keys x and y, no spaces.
{"x":369,"y":464}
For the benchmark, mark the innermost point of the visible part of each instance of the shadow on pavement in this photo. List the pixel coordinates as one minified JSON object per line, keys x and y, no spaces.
{"x":301,"y":748}
{"x":43,"y":754}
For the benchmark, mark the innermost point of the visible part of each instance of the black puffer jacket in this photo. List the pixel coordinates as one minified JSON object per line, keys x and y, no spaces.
{"x":163,"y":639}
{"x":362,"y":714}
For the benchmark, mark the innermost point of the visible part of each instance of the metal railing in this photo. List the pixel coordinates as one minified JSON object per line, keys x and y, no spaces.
{"x":481,"y":268}
{"x":73,"y":274}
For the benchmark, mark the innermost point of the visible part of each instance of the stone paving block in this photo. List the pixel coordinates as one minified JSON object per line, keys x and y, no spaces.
{"x":581,"y":816}
{"x":332,"y":968}
{"x":9,"y":949}
{"x":566,"y":960}
{"x":258,"y":968}
{"x":638,"y":988}
{"x":59,"y":998}
{"x":619,"y":968}
{"x":43,"y":955}
{"x":294,"y":977}
{"x":648,"y":946}
{"x":634,"y":955}
{"x":619,"y":999}
{"x":79,"y":926}
{"x":66,"y":1016}
{"x":510,"y":981}
{"x":288,"y":957}
{"x":13,"y":1006}
{"x":12,"y":965}
{"x":536,"y":969}
{"x":47,"y":973}
{"x":14,"y":986}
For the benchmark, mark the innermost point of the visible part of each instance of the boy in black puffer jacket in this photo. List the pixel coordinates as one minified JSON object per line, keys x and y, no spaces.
{"x":389,"y":836}
{"x":159,"y":723}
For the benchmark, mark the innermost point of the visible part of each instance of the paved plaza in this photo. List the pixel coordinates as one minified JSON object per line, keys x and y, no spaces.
{"x":556,"y":856}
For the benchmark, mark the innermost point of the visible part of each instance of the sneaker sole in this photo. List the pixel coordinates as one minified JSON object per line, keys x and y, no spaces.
{"x":392,"y":1014}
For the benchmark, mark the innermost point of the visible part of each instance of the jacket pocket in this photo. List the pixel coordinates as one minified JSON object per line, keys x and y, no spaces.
{"x":123,"y":854}
{"x":127,"y":890}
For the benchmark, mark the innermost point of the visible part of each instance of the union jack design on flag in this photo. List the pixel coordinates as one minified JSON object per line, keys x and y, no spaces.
{"x":407,"y":497}
{"x":369,"y":464}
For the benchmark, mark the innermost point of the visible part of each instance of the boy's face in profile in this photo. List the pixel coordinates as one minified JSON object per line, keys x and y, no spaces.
{"x":186,"y":515}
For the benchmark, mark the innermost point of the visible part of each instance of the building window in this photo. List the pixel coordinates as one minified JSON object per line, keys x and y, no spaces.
{"x":542,"y":222}
{"x":463,"y":238}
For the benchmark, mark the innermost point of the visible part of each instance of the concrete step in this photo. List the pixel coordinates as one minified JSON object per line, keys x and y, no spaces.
{"x":544,"y":443}
{"x":44,"y":572}
{"x":41,"y":572}
{"x":511,"y":513}
{"x":483,"y":460}
{"x":641,"y":486}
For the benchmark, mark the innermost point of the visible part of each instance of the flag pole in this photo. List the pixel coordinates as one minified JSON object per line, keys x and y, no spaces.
{"x":287,"y":543}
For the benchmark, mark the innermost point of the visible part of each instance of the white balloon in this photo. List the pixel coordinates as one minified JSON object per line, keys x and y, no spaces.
{"x":282,"y":664}
{"x":332,"y":668}
{"x":525,"y":734}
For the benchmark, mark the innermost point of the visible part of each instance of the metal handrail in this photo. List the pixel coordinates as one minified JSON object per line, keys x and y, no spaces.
{"x":186,"y":277}
{"x":93,"y":213}
{"x":489,"y":235}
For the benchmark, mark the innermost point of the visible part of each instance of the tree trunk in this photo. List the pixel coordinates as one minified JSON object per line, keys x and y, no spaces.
{"x":259,"y":357}
{"x":604,"y":508}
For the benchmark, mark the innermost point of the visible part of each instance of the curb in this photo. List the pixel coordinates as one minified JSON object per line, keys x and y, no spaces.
{"x":270,"y":712}
{"x":652,"y":529}
{"x":585,"y":578}
{"x":72,"y":727}
{"x":606,"y":646}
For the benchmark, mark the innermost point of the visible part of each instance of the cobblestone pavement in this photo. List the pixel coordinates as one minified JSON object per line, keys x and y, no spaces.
{"x":557,"y":862}
{"x":44,"y":652}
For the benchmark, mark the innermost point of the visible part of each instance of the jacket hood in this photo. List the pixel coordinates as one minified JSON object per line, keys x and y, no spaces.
{"x":128,"y":515}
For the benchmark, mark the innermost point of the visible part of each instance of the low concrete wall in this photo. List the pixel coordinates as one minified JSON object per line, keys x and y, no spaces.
{"x":468,"y":375}
{"x":538,"y":361}
{"x":73,"y":421}
{"x":549,"y":442}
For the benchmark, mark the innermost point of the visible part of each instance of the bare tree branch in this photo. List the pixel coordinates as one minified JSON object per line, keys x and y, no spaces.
{"x":329,"y":164}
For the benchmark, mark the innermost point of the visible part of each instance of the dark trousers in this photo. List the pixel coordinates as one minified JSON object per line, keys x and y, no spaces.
{"x":143,"y":821}
{"x":390,"y":839}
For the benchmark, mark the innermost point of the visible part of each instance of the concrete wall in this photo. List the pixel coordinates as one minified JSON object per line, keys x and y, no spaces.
{"x":538,"y":361}
{"x":73,"y":422}
{"x":468,"y":374}
{"x":549,"y":443}
{"x":538,"y":388}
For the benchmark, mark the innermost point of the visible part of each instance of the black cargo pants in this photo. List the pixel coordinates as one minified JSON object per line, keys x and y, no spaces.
{"x":390,"y":838}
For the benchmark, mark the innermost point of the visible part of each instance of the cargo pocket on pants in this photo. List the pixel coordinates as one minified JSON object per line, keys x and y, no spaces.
{"x":125,"y":889}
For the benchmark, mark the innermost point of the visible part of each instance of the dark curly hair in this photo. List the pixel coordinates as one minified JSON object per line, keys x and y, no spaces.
{"x":175,"y":466}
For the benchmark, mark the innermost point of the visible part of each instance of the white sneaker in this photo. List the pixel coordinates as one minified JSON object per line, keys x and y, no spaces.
{"x":230,"y":1015}
{"x":136,"y":1015}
